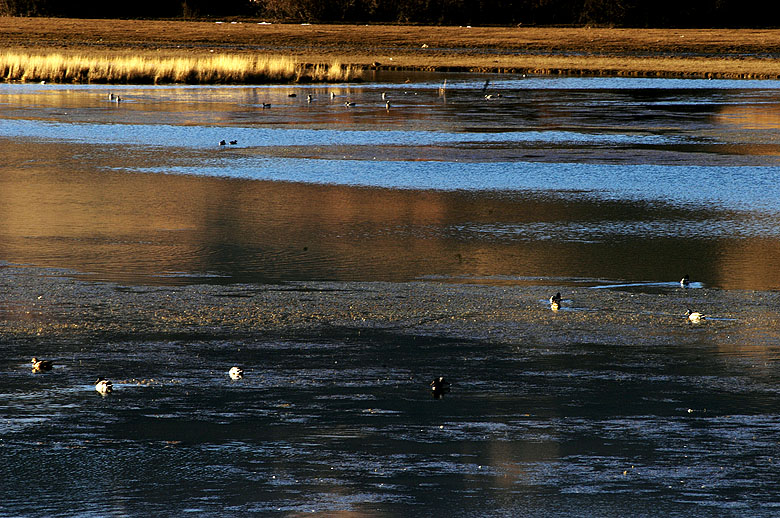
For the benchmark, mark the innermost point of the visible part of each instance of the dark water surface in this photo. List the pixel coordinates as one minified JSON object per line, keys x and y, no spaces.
{"x":347,"y":255}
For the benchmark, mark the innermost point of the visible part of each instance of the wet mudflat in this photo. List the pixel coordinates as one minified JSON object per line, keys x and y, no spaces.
{"x":346,"y":256}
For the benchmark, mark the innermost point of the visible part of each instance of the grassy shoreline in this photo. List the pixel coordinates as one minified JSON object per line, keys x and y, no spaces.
{"x":748,"y":54}
{"x":61,"y":68}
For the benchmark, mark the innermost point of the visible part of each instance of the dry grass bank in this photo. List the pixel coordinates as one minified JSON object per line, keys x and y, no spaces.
{"x":591,"y":51}
{"x":154,"y":69}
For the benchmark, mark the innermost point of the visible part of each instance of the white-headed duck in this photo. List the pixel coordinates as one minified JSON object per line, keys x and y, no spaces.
{"x":104,"y":386}
{"x":695,"y":316}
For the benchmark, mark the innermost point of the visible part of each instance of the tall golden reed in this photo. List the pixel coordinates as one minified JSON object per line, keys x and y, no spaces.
{"x":59,"y":68}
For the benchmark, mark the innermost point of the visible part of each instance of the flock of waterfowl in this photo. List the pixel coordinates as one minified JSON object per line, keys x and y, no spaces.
{"x":105,"y":386}
{"x":439,"y":386}
{"x":692,"y":316}
{"x":102,"y":385}
{"x":309,"y":99}
{"x":348,"y":103}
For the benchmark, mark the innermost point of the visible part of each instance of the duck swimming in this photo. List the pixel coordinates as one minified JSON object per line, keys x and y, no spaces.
{"x":440,"y":386}
{"x":685,"y":281}
{"x":104,"y":386}
{"x":555,"y":301}
{"x":236,"y":373}
{"x":41,"y":365}
{"x":695,"y":316}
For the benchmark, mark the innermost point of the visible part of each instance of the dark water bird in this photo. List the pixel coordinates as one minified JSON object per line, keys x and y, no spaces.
{"x":387,"y":105}
{"x":555,"y":301}
{"x":685,"y":281}
{"x":309,"y":98}
{"x":292,"y":95}
{"x":236,"y":373}
{"x":266,"y":105}
{"x":222,"y":143}
{"x":695,"y":316}
{"x":41,"y":365}
{"x":439,"y":387}
{"x":104,"y":386}
{"x":349,"y":103}
{"x":233,"y":142}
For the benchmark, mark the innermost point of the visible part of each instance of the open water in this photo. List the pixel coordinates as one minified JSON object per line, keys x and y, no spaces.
{"x":601,"y":187}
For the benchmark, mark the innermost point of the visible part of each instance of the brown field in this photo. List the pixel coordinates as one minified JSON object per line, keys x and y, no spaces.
{"x":718,"y":53}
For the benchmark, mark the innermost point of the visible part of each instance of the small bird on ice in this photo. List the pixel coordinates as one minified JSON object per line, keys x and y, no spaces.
{"x":685,"y":281}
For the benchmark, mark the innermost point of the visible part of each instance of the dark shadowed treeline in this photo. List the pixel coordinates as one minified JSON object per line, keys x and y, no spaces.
{"x":616,"y":13}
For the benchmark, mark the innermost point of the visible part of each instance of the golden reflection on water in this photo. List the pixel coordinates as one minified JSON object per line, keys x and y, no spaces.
{"x":750,"y":116}
{"x":751,"y":263}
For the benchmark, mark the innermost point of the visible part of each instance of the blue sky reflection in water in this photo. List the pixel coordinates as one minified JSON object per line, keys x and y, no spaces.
{"x":613,"y":405}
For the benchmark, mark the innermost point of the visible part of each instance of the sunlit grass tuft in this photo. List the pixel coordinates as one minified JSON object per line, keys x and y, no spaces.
{"x":59,"y":68}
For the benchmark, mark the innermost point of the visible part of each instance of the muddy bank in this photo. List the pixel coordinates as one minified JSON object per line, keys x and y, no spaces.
{"x":46,"y":306}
